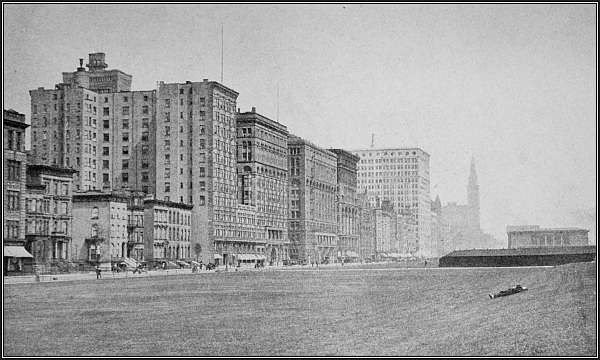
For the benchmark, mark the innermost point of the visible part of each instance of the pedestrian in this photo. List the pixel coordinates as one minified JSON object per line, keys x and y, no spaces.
{"x":98,"y":272}
{"x":425,"y":263}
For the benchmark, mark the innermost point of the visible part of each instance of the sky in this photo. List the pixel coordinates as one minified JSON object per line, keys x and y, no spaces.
{"x":514,"y":86}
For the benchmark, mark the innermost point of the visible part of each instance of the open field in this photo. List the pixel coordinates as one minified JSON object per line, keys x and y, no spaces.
{"x":343,"y":311}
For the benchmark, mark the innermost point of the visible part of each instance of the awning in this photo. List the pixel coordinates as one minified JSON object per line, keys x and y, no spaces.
{"x":217,"y":256}
{"x":16,"y":251}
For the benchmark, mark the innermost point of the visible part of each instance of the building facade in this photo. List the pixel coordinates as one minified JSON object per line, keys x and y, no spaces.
{"x":167,"y":230}
{"x":100,"y":233}
{"x":49,"y":214}
{"x":262,"y":184}
{"x":196,"y":163}
{"x":94,"y":124}
{"x":313,"y":202}
{"x":348,"y":210}
{"x":14,"y":190}
{"x":135,"y":226}
{"x":366,"y":237}
{"x":400,"y":175}
{"x":527,"y":236}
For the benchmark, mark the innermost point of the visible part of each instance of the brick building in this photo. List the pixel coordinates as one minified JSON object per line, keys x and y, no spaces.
{"x":92,"y":122}
{"x":348,"y":211}
{"x":49,"y":214}
{"x":313,"y":202}
{"x":195,"y":162}
{"x":14,"y":190}
{"x":262,"y":184}
{"x":167,"y":230}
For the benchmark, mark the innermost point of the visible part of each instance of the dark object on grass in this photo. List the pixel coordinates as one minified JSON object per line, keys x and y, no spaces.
{"x":513,"y":290}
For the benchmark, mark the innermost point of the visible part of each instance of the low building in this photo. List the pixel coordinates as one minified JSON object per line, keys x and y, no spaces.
{"x":366,"y":238}
{"x":540,"y":256}
{"x":49,"y":214}
{"x":533,"y":236}
{"x":167,"y":231}
{"x":100,"y":228}
{"x":135,"y":225}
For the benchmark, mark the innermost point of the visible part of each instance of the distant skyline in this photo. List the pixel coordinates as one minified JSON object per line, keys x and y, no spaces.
{"x":513,"y":85}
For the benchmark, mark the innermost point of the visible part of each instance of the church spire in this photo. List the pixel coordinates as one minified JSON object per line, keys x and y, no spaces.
{"x":473,"y":193}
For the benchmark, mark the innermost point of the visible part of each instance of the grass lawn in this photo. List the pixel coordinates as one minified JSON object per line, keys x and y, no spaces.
{"x":346,"y":311}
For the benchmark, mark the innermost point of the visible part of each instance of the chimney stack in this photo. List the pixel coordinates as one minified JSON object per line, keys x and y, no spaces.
{"x":253,"y":109}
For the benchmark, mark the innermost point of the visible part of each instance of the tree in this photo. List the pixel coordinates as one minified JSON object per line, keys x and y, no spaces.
{"x":197,"y":250}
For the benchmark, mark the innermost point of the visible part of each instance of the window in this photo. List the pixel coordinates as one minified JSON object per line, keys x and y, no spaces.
{"x":167,"y":117}
{"x":145,"y":109}
{"x":125,"y":99}
{"x":125,"y":164}
{"x":167,"y":130}
{"x":106,"y":124}
{"x":125,"y":137}
{"x":125,"y":150}
{"x":125,"y":110}
{"x":201,"y":172}
{"x":167,"y":173}
{"x":202,"y":186}
{"x":167,"y":187}
{"x":145,"y":136}
{"x":12,"y":229}
{"x":106,"y":137}
{"x":202,"y":200}
{"x":94,"y":212}
{"x":145,"y":149}
{"x":105,"y":111}
{"x":14,"y":170}
{"x":145,"y":164}
{"x":167,"y":103}
{"x":145,"y":177}
{"x":125,"y":177}
{"x":202,"y":144}
{"x":181,"y":91}
{"x":145,"y":97}
{"x":13,"y":200}
{"x":105,"y":151}
{"x":125,"y":123}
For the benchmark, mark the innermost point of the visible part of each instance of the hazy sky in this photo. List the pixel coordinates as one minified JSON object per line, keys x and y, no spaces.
{"x":515,"y":86}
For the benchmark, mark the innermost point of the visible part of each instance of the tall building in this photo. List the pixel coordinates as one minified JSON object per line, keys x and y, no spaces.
{"x":400,"y":175}
{"x":313,"y":202}
{"x":262,"y":184}
{"x":94,"y":124}
{"x":366,"y":238}
{"x":461,"y":224}
{"x":196,"y":160}
{"x":348,"y":211}
{"x":13,"y":190}
{"x":49,"y":213}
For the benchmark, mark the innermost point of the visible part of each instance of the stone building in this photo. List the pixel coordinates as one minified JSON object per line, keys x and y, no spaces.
{"x":348,"y":211}
{"x":366,"y":220}
{"x":196,"y":162}
{"x":14,"y":190}
{"x":94,"y":124}
{"x":167,"y":230}
{"x":406,"y":233}
{"x":262,"y":184}
{"x":100,"y":227}
{"x":49,"y":214}
{"x":528,"y":236}
{"x":135,"y":225}
{"x":313,"y":202}
{"x":385,"y":229}
{"x":400,"y":175}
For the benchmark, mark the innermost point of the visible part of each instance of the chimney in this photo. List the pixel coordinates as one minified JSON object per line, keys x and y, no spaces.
{"x":253,"y":109}
{"x":205,"y":80}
